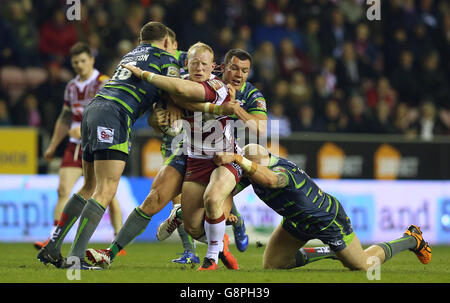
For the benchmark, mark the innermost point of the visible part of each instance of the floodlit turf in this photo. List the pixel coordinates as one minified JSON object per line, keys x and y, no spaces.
{"x":150,"y":262}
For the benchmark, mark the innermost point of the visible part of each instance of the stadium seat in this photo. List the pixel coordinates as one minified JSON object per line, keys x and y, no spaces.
{"x":35,"y":76}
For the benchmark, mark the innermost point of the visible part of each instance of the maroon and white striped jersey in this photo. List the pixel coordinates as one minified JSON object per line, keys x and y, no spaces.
{"x":209,"y":133}
{"x":79,"y":94}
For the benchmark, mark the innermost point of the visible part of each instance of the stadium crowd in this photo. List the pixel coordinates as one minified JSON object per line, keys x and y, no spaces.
{"x":321,"y":64}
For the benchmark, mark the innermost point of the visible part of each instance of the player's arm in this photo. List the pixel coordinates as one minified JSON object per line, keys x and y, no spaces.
{"x":62,"y":127}
{"x":227,"y":108}
{"x":191,"y":90}
{"x":257,"y":173}
{"x":257,"y":123}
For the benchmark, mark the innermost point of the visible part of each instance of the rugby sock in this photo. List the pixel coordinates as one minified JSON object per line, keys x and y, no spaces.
{"x":215,"y":231}
{"x":235,"y":212}
{"x":311,"y":254}
{"x":186,"y":239}
{"x":90,"y":217}
{"x":69,"y":216}
{"x":395,"y":246}
{"x":135,"y":224}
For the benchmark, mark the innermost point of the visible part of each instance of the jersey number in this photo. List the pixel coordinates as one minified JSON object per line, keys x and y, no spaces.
{"x":122,"y":73}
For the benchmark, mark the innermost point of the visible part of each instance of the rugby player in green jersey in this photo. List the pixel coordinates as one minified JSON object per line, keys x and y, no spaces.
{"x":105,"y":133}
{"x":310,"y":213}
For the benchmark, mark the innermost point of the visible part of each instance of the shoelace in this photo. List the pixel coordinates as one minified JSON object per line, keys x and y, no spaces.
{"x":173,"y":225}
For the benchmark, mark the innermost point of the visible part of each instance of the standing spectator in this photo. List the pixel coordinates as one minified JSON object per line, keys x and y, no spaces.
{"x":337,"y":33}
{"x":56,"y":37}
{"x":402,"y":119}
{"x":268,"y":30}
{"x":428,"y":125}
{"x":278,"y":122}
{"x":364,"y":48}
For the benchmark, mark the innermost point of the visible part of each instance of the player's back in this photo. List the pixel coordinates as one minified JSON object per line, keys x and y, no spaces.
{"x":301,"y":201}
{"x":133,"y":94}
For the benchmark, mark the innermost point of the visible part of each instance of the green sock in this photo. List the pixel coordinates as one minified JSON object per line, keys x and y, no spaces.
{"x":90,"y":217}
{"x":235,"y":212}
{"x":395,"y":246}
{"x":135,"y":224}
{"x":311,"y":254}
{"x":186,"y":240}
{"x":69,"y":216}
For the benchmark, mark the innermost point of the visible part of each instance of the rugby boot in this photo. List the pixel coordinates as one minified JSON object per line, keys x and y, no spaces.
{"x":225,"y":255}
{"x":422,"y":250}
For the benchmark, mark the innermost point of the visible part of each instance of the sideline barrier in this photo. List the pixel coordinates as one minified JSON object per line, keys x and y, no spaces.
{"x":379,"y":210}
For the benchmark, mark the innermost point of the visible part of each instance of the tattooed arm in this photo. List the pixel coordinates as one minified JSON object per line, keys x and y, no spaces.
{"x":61,"y":130}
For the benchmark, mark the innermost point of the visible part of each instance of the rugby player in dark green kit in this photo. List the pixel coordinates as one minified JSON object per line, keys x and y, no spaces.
{"x":105,"y":132}
{"x":309,"y":213}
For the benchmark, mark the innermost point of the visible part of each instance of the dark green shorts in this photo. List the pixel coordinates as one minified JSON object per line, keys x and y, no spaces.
{"x":338,"y":234}
{"x":105,"y":126}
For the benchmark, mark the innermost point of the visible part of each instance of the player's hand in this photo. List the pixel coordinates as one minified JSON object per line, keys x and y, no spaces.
{"x":223,"y":158}
{"x":49,"y":153}
{"x":231,"y":92}
{"x":161,"y":116}
{"x":75,"y":132}
{"x":134,"y":69}
{"x":174,"y":113}
{"x":230,"y":108}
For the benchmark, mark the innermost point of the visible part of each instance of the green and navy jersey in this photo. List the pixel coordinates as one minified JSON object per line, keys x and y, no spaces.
{"x":135,"y":95}
{"x":251,"y":99}
{"x":181,"y":57}
{"x":301,"y":201}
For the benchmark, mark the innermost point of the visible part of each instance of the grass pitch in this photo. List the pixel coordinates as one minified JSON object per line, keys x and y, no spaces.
{"x":151,"y":263}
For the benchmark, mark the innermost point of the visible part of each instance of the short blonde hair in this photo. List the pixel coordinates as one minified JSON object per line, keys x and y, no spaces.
{"x":201,"y":47}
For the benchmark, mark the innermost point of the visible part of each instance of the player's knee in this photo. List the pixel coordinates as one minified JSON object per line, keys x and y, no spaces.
{"x":63,"y":191}
{"x":195,"y":232}
{"x":211,"y":201}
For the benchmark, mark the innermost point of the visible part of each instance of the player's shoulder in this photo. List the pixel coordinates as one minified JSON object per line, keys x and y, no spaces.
{"x":215,"y":82}
{"x":250,"y":91}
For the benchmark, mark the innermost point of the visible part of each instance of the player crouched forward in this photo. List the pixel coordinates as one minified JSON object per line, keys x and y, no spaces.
{"x":309,"y":213}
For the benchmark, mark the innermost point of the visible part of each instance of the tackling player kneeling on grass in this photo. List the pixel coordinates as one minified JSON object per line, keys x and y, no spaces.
{"x":309,"y":213}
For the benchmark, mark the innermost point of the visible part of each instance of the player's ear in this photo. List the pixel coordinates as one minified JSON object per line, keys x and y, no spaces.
{"x":166,"y":43}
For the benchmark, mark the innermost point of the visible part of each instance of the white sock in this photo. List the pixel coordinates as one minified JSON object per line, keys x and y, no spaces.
{"x":215,"y":231}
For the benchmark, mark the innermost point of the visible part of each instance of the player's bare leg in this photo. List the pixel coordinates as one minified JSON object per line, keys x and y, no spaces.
{"x":281,"y":250}
{"x":68,"y":176}
{"x":51,"y":253}
{"x":107,"y":175}
{"x":165,"y":186}
{"x":355,"y":258}
{"x":220,"y":186}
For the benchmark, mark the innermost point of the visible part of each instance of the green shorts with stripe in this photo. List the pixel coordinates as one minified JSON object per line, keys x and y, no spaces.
{"x":338,"y":234}
{"x":105,"y":126}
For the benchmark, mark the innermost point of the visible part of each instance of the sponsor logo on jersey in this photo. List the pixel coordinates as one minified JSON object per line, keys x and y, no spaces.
{"x":215,"y":84}
{"x":105,"y":134}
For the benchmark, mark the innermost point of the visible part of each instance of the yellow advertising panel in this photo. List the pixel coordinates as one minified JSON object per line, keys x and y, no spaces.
{"x":152,"y":159}
{"x":18,"y":150}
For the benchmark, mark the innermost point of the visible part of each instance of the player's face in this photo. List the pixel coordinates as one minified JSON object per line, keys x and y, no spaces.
{"x":200,"y":66}
{"x":236,"y":72}
{"x":83,"y":64}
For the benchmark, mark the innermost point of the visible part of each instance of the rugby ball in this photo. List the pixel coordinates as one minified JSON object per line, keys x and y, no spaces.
{"x":172,"y":130}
